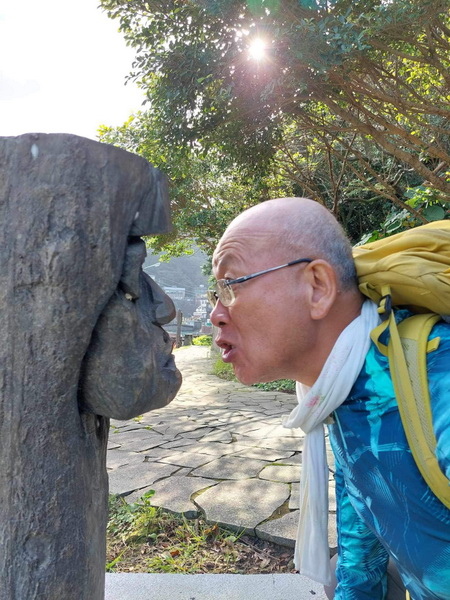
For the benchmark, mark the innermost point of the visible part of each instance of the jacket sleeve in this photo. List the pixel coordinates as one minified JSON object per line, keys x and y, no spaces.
{"x":362,"y":560}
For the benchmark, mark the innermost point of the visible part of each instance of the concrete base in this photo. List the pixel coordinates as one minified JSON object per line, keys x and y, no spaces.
{"x":153,"y":586}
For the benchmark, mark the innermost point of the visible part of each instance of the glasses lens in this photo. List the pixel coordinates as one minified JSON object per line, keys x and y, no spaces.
{"x":212,"y":297}
{"x":225,"y":292}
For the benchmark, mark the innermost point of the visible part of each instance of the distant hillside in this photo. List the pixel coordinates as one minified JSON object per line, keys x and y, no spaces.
{"x":184,"y":272}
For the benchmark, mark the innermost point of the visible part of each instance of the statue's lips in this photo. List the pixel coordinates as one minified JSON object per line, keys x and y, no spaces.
{"x":172,"y":375}
{"x":170,"y":364}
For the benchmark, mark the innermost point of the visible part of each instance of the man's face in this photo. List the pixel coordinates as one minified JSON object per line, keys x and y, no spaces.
{"x":264,"y":334}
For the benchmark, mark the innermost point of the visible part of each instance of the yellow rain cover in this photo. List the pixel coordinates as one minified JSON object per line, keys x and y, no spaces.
{"x":415,"y":264}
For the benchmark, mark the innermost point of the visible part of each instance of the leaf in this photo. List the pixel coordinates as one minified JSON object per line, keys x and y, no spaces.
{"x":434,"y":213}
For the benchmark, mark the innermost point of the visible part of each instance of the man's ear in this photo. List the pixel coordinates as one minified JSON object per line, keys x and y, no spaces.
{"x":323,"y":288}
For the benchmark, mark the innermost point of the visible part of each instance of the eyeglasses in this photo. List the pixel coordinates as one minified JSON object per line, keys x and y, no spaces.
{"x":224,"y":292}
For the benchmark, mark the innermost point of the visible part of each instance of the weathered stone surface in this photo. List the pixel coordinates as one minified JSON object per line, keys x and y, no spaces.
{"x":295,"y":459}
{"x":284,"y":473}
{"x":231,"y":467}
{"x":218,"y":436}
{"x":332,"y":533}
{"x":117,"y":458}
{"x":144,"y":444}
{"x":185,"y":427}
{"x":273,"y":431}
{"x":174,"y":586}
{"x":262,"y":453}
{"x":154,"y":454}
{"x":331,"y":496}
{"x":187,"y":458}
{"x":112,"y":446}
{"x":294,"y":500}
{"x":197,"y":433}
{"x":247,"y":429}
{"x":134,"y":259}
{"x":216,"y":448}
{"x":122,"y":384}
{"x":136,"y":436}
{"x":175,"y":494}
{"x":153,"y":214}
{"x":281,"y":531}
{"x":242,"y":504}
{"x":137,"y":476}
{"x":281,"y":443}
{"x":179,"y":443}
{"x":71,"y":343}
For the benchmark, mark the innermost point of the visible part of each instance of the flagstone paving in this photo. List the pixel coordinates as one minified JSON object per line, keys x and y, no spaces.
{"x":219,"y":449}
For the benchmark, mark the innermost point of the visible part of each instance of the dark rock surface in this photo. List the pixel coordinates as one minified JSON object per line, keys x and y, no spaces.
{"x":81,"y":341}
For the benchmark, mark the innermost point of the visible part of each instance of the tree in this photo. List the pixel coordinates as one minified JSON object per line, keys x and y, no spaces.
{"x":207,"y":188}
{"x":366,"y":83}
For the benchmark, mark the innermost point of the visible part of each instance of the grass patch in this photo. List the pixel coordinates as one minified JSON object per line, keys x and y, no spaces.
{"x":145,"y":539}
{"x":130,"y":523}
{"x":280,"y":385}
{"x":225,"y":371}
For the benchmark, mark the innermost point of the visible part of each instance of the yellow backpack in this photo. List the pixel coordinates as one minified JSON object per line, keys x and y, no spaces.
{"x":411,"y":269}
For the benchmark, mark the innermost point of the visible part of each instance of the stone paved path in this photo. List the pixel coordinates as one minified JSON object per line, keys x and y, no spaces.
{"x":219,"y":449}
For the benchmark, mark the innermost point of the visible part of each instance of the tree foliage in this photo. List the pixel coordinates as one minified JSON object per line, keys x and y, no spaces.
{"x":350,"y":105}
{"x":207,"y":189}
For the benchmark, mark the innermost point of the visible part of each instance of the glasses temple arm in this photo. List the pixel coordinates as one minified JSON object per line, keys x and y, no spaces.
{"x":247,"y":277}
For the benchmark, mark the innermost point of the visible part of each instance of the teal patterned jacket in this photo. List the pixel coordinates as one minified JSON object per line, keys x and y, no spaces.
{"x":384,"y":507}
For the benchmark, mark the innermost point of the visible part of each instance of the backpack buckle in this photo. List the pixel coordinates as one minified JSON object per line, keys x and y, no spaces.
{"x":385,"y":307}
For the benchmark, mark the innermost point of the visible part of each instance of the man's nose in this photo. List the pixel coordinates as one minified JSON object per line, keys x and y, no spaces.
{"x":164,"y":307}
{"x":219,"y":315}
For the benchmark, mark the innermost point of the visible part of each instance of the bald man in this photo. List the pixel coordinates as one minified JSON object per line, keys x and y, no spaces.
{"x":287,"y":305}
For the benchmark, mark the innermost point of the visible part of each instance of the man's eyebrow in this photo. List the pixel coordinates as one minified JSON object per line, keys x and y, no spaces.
{"x":224,"y":260}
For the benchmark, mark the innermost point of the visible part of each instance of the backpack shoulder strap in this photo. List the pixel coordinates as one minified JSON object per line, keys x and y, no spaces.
{"x":407,"y":354}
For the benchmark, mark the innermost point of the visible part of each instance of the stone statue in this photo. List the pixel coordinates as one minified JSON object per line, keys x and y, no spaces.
{"x":81,"y":341}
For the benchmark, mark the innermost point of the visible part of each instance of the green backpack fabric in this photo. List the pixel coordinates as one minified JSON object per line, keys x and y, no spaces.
{"x":411,"y":269}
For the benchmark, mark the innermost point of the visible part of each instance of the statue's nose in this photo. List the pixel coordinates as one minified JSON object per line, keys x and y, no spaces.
{"x":164,"y":307}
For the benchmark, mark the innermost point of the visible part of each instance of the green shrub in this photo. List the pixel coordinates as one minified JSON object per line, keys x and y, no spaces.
{"x":202,"y":340}
{"x":226,"y":371}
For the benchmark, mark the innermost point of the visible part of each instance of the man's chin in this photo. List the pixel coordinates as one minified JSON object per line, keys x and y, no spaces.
{"x":247,"y":378}
{"x":244,"y":377}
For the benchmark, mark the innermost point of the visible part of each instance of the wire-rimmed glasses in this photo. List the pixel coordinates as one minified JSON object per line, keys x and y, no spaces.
{"x":224,"y":292}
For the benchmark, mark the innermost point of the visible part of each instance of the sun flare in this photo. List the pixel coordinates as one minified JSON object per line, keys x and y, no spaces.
{"x":257,"y":49}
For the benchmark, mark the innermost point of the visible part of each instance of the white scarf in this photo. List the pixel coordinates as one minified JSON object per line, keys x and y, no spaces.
{"x":315,"y":404}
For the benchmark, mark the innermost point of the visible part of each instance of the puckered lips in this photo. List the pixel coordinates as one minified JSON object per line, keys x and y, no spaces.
{"x":228,"y":350}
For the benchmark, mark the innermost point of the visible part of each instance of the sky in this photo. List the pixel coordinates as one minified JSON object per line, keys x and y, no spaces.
{"x":63,"y":66}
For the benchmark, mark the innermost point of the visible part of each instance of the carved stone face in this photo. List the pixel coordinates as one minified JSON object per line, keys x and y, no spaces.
{"x":129,"y":368}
